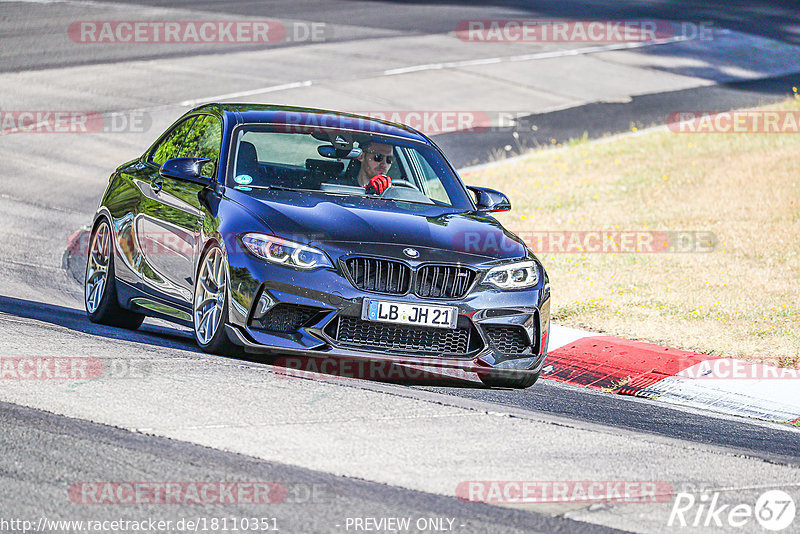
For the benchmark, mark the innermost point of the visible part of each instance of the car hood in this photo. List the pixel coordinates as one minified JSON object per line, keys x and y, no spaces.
{"x":322,"y":219}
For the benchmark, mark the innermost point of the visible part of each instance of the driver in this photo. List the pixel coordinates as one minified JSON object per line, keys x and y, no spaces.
{"x":375,"y":158}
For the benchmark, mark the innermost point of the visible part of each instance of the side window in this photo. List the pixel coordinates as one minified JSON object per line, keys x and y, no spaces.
{"x":204,"y":141}
{"x":171,"y":145}
{"x":431,"y":183}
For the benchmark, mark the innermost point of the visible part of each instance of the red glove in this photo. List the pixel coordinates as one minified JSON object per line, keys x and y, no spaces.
{"x":378,"y":184}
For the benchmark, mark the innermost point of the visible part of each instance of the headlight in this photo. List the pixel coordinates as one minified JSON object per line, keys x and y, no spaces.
{"x":284,"y":252}
{"x":513,"y":276}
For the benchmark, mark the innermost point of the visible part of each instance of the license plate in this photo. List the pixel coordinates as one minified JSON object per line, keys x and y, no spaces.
{"x":407,"y":313}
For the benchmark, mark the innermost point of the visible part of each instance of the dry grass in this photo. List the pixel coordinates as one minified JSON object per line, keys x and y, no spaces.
{"x":740,"y":300}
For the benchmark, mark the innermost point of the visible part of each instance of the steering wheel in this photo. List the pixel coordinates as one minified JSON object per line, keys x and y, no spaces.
{"x":403,"y":183}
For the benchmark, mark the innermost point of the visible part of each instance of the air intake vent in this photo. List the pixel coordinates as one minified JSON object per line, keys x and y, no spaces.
{"x":507,"y":339}
{"x":412,"y":339}
{"x":285,"y":318}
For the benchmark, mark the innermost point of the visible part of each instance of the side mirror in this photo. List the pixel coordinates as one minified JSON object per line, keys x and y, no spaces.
{"x":489,"y":200}
{"x":186,"y":169}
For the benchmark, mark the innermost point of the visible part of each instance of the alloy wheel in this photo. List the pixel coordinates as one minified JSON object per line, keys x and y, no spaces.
{"x":209,"y":296}
{"x":97,"y":268}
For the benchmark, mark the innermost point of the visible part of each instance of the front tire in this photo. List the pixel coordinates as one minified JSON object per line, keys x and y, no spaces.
{"x":100,"y":283}
{"x":210,"y":304}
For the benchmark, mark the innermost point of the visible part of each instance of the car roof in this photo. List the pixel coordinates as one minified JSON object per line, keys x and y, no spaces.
{"x":319,"y":118}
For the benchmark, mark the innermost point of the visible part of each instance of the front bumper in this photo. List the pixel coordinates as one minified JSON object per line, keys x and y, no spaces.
{"x":504,"y":329}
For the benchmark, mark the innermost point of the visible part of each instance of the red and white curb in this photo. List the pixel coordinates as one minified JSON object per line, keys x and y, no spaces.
{"x":625,"y":367}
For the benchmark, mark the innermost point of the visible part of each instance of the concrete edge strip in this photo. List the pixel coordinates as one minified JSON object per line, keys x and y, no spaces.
{"x":624,"y":367}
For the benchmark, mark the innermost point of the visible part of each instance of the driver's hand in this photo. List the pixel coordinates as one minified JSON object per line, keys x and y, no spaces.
{"x":378,"y":184}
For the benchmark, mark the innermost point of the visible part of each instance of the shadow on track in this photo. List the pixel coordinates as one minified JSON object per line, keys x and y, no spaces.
{"x":76,"y":320}
{"x":292,"y":367}
{"x":739,"y":435}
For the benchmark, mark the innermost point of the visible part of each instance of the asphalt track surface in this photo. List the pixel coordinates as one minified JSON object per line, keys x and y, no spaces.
{"x":772,"y":18}
{"x":314,"y":502}
{"x":751,"y":438}
{"x":43,"y":451}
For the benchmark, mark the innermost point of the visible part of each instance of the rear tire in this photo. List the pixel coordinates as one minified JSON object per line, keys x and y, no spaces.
{"x":100,"y":283}
{"x":210,"y":304}
{"x":510,"y":379}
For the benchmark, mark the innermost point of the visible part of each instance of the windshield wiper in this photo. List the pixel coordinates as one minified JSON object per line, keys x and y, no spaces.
{"x":275,"y":187}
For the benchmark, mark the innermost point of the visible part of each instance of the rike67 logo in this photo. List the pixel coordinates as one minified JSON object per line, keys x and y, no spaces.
{"x":774,"y":510}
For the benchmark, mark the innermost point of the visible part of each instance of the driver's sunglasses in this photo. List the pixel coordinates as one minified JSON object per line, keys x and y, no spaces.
{"x":377,"y":157}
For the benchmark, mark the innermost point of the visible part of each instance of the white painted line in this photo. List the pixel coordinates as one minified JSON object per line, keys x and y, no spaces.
{"x":446,"y":65}
{"x":251,"y":92}
{"x":531,"y":57}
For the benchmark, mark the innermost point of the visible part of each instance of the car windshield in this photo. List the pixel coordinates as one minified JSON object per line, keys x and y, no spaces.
{"x":317,"y":160}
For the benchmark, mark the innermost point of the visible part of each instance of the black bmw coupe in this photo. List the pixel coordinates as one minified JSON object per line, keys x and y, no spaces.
{"x":313,"y":233}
